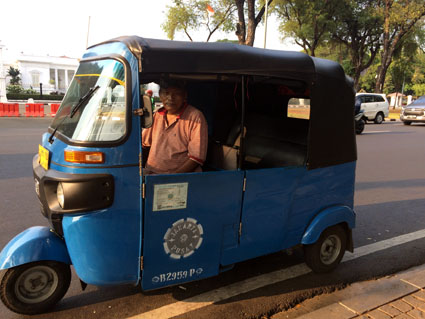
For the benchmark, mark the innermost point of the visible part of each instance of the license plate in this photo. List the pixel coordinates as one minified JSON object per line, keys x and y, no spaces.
{"x":43,"y":157}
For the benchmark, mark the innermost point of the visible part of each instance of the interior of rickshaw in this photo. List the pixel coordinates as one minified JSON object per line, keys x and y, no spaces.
{"x":273,"y":135}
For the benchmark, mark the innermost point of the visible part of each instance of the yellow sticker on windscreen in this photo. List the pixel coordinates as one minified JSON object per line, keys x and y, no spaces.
{"x":43,"y":157}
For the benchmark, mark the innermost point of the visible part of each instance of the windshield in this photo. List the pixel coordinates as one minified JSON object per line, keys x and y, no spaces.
{"x":102,"y":117}
{"x":420,"y":102}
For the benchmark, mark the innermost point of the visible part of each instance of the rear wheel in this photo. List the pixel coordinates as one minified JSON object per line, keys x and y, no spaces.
{"x":379,"y":118}
{"x":407,"y":123}
{"x":36,"y":287}
{"x":359,"y":126}
{"x":325,"y":254}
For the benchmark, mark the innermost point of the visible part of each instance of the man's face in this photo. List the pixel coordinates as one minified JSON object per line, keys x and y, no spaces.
{"x":173,"y":99}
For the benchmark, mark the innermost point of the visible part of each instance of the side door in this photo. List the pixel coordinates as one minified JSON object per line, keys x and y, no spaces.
{"x":381,"y":105}
{"x":368,"y":106}
{"x":266,"y":213}
{"x":376,"y":105}
{"x":187,"y":220}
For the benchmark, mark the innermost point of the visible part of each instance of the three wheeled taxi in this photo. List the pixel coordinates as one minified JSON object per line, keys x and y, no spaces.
{"x":279,"y":173}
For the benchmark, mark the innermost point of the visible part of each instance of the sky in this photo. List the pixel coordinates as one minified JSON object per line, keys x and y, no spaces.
{"x":59,"y":28}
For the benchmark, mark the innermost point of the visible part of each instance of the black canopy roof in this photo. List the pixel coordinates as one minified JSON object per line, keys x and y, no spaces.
{"x":331,"y":135}
{"x":158,"y":56}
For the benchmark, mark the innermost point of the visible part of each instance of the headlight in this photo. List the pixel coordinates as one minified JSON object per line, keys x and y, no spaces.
{"x":37,"y":187}
{"x":60,"y":195}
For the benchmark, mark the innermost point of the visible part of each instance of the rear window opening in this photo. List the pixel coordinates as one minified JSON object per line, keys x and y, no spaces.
{"x":299,"y":108}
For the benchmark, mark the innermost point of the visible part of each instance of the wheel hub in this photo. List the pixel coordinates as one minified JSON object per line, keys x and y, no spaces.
{"x":330,"y":249}
{"x":36,"y":284}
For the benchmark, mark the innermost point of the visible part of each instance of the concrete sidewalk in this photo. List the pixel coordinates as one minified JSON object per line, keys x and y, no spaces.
{"x":400,"y":296}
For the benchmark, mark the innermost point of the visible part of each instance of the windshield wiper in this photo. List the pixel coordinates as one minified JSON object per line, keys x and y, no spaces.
{"x":83,"y":100}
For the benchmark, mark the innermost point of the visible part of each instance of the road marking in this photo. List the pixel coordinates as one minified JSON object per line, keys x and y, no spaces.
{"x":223,"y":293}
{"x":217,"y":295}
{"x":384,"y":244}
{"x":375,"y":132}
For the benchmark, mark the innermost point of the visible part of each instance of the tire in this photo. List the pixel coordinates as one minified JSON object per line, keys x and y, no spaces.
{"x":360,"y":126}
{"x":379,"y":118}
{"x":36,"y":287}
{"x":407,"y":123}
{"x":325,"y":254}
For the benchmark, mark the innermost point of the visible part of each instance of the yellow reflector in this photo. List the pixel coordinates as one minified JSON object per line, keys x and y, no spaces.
{"x":84,"y":157}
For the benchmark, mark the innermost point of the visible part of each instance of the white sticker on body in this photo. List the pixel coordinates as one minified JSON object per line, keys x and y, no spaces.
{"x":170,"y":196}
{"x":183,"y":238}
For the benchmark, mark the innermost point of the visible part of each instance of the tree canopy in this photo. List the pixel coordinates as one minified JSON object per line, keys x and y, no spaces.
{"x":309,"y":23}
{"x":359,"y":28}
{"x":239,"y":16}
{"x":14,"y":73}
{"x":190,"y":16}
{"x":399,"y":17}
{"x":380,"y":43}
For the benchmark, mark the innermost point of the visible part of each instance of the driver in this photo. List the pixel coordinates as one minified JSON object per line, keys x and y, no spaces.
{"x":178,"y":138}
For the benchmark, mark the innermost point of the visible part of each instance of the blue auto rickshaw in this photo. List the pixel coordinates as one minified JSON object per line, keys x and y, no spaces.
{"x":270,"y":182}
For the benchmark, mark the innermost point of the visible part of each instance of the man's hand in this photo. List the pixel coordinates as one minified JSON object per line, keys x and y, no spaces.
{"x":139,"y":112}
{"x":188,"y":166}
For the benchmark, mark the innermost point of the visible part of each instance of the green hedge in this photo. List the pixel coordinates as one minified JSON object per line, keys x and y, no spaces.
{"x":34,"y":96}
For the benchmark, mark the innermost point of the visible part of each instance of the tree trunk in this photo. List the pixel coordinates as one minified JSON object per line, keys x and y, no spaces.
{"x":250,"y":35}
{"x":357,"y":68}
{"x":382,"y":70}
{"x":356,"y":80}
{"x":240,"y":26}
{"x":247,"y":35}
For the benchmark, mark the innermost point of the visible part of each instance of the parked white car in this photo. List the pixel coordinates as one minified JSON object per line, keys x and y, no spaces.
{"x":375,"y":106}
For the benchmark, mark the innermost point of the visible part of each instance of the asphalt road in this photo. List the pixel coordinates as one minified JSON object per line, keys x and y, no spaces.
{"x":389,"y":202}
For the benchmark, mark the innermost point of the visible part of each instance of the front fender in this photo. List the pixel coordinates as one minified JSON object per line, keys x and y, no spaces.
{"x":327,"y":218}
{"x":34,"y":244}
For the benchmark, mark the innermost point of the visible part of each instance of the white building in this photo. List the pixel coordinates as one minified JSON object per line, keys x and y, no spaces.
{"x":54,"y":73}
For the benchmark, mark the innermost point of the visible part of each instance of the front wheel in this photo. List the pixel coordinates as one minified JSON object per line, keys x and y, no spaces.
{"x":407,"y":122}
{"x":325,"y":254}
{"x":36,"y":287}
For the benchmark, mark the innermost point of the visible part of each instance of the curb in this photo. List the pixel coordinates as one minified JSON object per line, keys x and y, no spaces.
{"x":375,"y":298}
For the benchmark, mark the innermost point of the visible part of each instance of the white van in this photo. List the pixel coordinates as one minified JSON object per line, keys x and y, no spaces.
{"x":374,"y":105}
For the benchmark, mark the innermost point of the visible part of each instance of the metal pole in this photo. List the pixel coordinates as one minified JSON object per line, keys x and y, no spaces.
{"x":265,"y":22}
{"x":402,"y":88}
{"x":88,"y":32}
{"x":3,"y":97}
{"x":242,"y":140}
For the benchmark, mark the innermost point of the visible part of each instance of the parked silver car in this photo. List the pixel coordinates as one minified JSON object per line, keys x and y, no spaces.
{"x":414,"y":112}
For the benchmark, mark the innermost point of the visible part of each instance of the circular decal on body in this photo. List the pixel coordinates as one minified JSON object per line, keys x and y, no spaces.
{"x":183,"y":238}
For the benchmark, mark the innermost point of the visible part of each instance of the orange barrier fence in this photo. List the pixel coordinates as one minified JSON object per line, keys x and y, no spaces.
{"x":53,"y":109}
{"x":34,"y":110}
{"x":9,"y":109}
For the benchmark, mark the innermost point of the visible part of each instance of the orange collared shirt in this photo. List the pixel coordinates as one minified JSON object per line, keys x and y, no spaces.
{"x":172,"y":144}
